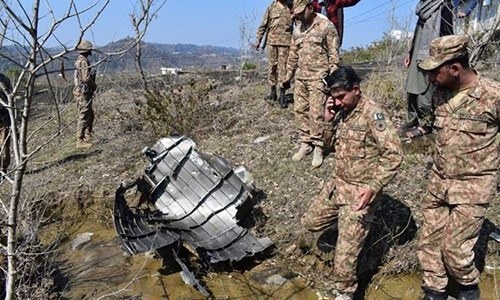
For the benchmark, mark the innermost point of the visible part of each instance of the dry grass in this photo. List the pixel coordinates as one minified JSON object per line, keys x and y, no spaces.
{"x":226,"y":119}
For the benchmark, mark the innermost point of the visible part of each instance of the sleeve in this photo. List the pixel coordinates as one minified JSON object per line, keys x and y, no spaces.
{"x":389,"y":146}
{"x":293,"y":59}
{"x":332,"y":44}
{"x":261,"y":30}
{"x":317,"y":6}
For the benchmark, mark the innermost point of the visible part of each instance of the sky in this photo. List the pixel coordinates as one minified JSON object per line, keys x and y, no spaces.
{"x":226,"y":23}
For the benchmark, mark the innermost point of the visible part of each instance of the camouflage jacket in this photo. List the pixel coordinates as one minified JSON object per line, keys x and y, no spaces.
{"x":277,"y":21}
{"x":5,"y":86}
{"x":466,"y":136}
{"x":313,"y":52}
{"x":83,"y":77}
{"x":367,"y":147}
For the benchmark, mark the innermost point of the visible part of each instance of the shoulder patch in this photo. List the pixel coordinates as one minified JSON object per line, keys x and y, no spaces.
{"x":380,"y":125}
{"x":378,"y":116}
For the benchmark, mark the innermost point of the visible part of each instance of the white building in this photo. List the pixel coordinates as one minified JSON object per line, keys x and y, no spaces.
{"x":170,"y":71}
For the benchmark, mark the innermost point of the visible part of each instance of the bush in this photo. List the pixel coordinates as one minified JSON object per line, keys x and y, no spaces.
{"x":249,"y":66}
{"x":179,"y":109}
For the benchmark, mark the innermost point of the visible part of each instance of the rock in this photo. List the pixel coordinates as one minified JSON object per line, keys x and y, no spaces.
{"x":276,"y":279}
{"x":291,"y":249}
{"x":261,"y":139}
{"x":81,"y":240}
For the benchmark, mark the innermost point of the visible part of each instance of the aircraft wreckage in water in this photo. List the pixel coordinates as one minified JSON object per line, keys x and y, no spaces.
{"x":198,"y":200}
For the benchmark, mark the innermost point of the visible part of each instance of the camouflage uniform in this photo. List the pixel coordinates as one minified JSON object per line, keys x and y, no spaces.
{"x":84,"y":92}
{"x":313,"y":55}
{"x":277,"y":21}
{"x":4,"y":125}
{"x":462,"y":183}
{"x":368,"y":154}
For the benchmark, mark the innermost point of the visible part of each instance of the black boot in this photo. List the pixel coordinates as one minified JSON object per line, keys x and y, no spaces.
{"x":282,"y":99}
{"x":468,"y":292}
{"x":434,"y":295}
{"x":272,"y":95}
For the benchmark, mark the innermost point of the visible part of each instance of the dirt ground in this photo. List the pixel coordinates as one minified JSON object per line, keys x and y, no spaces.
{"x":248,"y":131}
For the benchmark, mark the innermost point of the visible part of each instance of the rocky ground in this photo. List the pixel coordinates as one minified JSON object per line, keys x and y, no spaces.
{"x":236,"y":123}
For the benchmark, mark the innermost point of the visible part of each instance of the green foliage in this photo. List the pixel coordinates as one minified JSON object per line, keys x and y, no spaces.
{"x":179,"y":109}
{"x":384,"y":50}
{"x":249,"y":66}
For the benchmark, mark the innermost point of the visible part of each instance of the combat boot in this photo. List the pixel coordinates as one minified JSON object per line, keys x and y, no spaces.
{"x":468,"y":292}
{"x":282,"y":99}
{"x":272,"y":94}
{"x":303,"y":151}
{"x":317,"y":157}
{"x":434,"y":295}
{"x":81,"y":144}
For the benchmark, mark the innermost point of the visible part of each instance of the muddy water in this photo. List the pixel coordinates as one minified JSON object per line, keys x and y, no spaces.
{"x":98,"y":269}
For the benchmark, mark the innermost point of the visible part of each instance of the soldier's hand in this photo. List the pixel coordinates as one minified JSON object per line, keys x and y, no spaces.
{"x":407,"y":61}
{"x":329,"y":109}
{"x":364,"y":198}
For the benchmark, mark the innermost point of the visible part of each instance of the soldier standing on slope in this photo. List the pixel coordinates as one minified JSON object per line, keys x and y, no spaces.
{"x":313,"y":55}
{"x":463,"y":179}
{"x":368,"y":154}
{"x":83,"y":91}
{"x":277,"y":22}
{"x":5,"y":87}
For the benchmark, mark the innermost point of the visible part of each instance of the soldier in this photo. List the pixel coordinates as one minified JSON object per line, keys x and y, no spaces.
{"x":463,"y":179}
{"x":83,"y":91}
{"x":334,"y":11}
{"x":313,"y":55}
{"x":435,"y":19}
{"x":277,"y":21}
{"x":5,"y":87}
{"x":368,"y":154}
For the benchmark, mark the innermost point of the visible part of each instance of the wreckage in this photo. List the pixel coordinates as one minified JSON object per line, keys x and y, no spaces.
{"x":198,"y":200}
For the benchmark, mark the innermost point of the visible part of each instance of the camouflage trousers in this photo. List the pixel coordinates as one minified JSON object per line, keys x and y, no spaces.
{"x":4,"y":148}
{"x":276,"y":57}
{"x":448,"y":235}
{"x":333,"y":204}
{"x":309,"y":108}
{"x":85,"y":120}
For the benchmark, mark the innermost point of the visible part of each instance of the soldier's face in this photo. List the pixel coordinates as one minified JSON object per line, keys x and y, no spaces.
{"x":346,"y":99}
{"x":305,"y":15}
{"x":444,"y":76}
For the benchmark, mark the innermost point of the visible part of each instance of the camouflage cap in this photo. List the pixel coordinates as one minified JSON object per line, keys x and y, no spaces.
{"x":84,"y":46}
{"x":443,"y":49}
{"x":300,"y":5}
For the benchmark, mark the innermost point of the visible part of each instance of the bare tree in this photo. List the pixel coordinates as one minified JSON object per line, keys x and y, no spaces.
{"x":29,"y":29}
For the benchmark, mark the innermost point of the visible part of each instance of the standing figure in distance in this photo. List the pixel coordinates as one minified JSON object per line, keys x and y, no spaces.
{"x":463,"y":179}
{"x":435,"y":19}
{"x":83,"y":92}
{"x":277,"y":22}
{"x":5,"y":87}
{"x":313,"y":55}
{"x":368,"y":154}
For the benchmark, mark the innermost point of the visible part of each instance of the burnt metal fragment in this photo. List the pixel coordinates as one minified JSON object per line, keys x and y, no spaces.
{"x":196,"y":198}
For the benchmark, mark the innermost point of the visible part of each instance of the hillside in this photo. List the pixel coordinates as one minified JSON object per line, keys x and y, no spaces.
{"x":76,"y":189}
{"x":154,"y":56}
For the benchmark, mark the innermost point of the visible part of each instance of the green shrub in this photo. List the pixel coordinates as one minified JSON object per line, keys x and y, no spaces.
{"x":249,"y":66}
